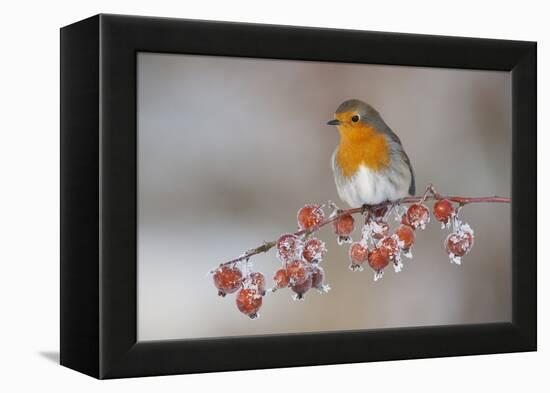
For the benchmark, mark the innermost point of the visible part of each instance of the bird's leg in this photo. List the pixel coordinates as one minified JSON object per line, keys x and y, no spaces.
{"x":366,"y":210}
{"x":379,"y":211}
{"x":392,"y":205}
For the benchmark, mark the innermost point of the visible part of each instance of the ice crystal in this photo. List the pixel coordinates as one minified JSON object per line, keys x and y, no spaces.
{"x":354,"y":267}
{"x":455,"y":259}
{"x":344,"y":239}
{"x":397,"y":265}
{"x":298,"y":297}
{"x":378,"y":274}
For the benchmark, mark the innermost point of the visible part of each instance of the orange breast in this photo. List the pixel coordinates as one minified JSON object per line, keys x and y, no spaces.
{"x":361,"y":146}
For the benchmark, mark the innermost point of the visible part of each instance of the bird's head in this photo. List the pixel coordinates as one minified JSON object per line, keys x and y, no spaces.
{"x":354,"y":119}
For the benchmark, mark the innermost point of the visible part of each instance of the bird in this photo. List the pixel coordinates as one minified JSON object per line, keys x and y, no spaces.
{"x":370,"y":165}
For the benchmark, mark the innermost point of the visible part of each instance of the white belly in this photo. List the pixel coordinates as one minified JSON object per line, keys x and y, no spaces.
{"x":372,"y":187}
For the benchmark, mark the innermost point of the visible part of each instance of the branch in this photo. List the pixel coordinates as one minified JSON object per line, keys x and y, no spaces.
{"x":430,"y":194}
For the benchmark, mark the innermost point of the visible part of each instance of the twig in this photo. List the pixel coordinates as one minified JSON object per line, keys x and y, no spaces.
{"x":430,"y":194}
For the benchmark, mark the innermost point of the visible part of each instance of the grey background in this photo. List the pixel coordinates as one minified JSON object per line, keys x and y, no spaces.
{"x":230,"y":148}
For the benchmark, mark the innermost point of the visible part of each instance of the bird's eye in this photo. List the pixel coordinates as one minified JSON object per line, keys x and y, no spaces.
{"x":355,"y":118}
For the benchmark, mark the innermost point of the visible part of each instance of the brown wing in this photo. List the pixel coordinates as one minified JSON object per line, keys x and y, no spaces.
{"x":393,"y":136}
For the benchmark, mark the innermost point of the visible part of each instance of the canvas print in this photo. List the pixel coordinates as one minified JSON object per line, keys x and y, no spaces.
{"x":279,"y":196}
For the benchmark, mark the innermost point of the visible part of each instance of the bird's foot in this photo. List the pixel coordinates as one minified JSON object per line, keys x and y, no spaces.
{"x":366,"y":209}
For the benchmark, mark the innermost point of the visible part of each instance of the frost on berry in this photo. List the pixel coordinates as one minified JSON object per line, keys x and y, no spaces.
{"x":459,"y":243}
{"x":289,"y":247}
{"x":443,"y":211}
{"x":255,"y":281}
{"x":391,"y":246}
{"x":301,"y":288}
{"x":343,"y":227}
{"x":418,"y":216}
{"x":227,"y":279}
{"x":406,"y":238}
{"x":397,"y":264}
{"x":298,"y":272}
{"x":358,"y":254}
{"x":309,"y":216}
{"x":281,"y":279}
{"x":378,"y":260}
{"x":375,"y":229}
{"x":249,"y":302}
{"x":405,"y":221}
{"x":318,"y":279}
{"x":314,"y":250}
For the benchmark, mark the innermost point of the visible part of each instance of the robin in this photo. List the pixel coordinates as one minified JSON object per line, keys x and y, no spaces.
{"x":370,"y":165}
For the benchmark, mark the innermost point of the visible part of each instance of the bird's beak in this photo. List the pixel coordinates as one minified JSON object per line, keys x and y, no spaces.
{"x":334,"y":122}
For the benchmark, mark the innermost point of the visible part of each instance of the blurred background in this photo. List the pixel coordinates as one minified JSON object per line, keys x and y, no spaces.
{"x":230,"y":148}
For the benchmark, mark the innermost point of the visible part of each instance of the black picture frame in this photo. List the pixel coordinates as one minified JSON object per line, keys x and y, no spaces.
{"x":98,"y":196}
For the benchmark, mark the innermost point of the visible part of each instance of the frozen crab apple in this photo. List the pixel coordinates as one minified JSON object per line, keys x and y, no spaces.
{"x":227,"y":279}
{"x":358,"y":254}
{"x":406,"y":236}
{"x":443,"y":210}
{"x":309,"y":216}
{"x":418,"y":216}
{"x":301,"y":288}
{"x":298,"y":272}
{"x":343,"y":227}
{"x":390,"y":246}
{"x":405,"y":221}
{"x":314,"y":250}
{"x":318,"y":279}
{"x":289,"y":247}
{"x":281,"y":279}
{"x":378,"y":260}
{"x":459,"y":243}
{"x":249,"y":302}
{"x":256,"y":281}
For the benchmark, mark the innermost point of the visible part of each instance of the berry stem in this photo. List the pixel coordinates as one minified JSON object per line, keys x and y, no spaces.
{"x":430,"y":194}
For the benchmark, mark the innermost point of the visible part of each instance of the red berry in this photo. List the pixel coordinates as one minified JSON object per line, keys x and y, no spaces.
{"x":249,"y":302}
{"x":281,"y":279}
{"x":227,"y":279}
{"x":418,"y":215}
{"x":459,"y":243}
{"x":256,"y":281}
{"x":343,"y":227}
{"x":358,"y":254}
{"x":405,"y":221}
{"x":443,"y":210}
{"x":390,"y":246}
{"x":309,"y":216}
{"x":406,"y":236}
{"x":314,"y":250}
{"x":317,"y":277}
{"x":378,"y":259}
{"x":289,"y":247}
{"x":302,"y":288}
{"x":298,"y":272}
